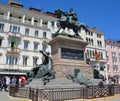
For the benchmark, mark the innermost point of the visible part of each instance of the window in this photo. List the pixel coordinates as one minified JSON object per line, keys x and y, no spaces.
{"x":113,"y":54}
{"x":11,"y":60}
{"x":92,"y":42}
{"x":36,"y":33}
{"x":25,"y":58}
{"x":115,"y":69}
{"x":86,"y":39}
{"x":34,"y":60}
{"x":91,"y":33}
{"x":12,"y":43}
{"x":99,"y":43}
{"x":119,"y":56}
{"x":88,"y":54}
{"x":44,"y":47}
{"x":98,"y":35}
{"x":0,"y":42}
{"x":35,"y":46}
{"x":26,"y":32}
{"x":101,"y":55}
{"x":44,"y":35}
{"x":1,"y":27}
{"x":114,"y":62}
{"x":14,"y":29}
{"x":52,"y":23}
{"x":25,"y":45}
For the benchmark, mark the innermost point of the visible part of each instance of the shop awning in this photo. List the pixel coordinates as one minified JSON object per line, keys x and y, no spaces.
{"x":12,"y":73}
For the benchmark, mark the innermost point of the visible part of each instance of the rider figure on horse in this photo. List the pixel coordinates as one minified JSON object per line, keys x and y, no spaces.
{"x":72,"y":16}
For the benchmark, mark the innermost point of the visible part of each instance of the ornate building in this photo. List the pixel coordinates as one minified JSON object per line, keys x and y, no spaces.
{"x":24,"y":32}
{"x":113,"y":58}
{"x":95,"y":50}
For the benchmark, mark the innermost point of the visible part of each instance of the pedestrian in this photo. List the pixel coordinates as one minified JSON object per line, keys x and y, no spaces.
{"x":7,"y":82}
{"x":14,"y":80}
{"x":3,"y":84}
{"x":20,"y":82}
{"x":23,"y":82}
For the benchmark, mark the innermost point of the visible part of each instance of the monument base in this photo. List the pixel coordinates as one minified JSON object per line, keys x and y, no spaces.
{"x":55,"y":83}
{"x":68,"y":54}
{"x":58,"y":83}
{"x":64,"y":68}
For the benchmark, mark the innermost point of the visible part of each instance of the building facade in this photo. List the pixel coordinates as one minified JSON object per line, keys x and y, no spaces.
{"x":113,"y":58}
{"x":24,"y":32}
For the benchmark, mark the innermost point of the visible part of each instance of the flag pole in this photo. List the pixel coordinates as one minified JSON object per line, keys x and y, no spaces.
{"x":15,"y":42}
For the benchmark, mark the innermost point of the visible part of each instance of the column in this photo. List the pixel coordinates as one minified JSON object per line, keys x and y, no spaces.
{"x":32,"y":21}
{"x":49,"y":24}
{"x":8,"y":15}
{"x":23,"y":19}
{"x":40,"y":22}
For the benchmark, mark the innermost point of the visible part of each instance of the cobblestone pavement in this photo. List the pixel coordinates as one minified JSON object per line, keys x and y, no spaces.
{"x":4,"y":96}
{"x":112,"y":98}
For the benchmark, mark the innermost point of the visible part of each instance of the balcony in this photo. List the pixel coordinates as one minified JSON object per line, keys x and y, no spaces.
{"x":15,"y":19}
{"x":14,"y":34}
{"x":27,"y":22}
{"x":45,"y":40}
{"x":45,"y":25}
{"x":36,"y":24}
{"x":13,"y":51}
{"x":3,"y":17}
{"x":115,"y":66}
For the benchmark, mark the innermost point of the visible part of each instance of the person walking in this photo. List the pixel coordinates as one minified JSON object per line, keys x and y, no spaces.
{"x":14,"y":80}
{"x":7,"y":82}
{"x":3,"y":84}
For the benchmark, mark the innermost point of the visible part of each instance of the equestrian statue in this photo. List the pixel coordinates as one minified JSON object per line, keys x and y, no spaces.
{"x":69,"y":20}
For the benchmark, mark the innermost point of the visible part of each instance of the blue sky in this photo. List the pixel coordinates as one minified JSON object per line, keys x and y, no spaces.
{"x":102,"y":14}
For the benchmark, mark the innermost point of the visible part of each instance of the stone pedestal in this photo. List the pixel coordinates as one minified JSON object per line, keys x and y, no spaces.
{"x":68,"y":56}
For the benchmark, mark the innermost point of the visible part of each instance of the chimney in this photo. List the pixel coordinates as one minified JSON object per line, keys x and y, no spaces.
{"x":35,"y":10}
{"x":94,"y":28}
{"x":15,"y":4}
{"x":9,"y":2}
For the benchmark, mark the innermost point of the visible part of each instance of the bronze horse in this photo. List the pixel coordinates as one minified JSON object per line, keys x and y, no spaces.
{"x":64,"y":21}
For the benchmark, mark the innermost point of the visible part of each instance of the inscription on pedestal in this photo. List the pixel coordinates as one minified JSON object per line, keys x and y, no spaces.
{"x":68,"y":53}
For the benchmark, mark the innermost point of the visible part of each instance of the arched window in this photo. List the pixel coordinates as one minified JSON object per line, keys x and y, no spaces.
{"x":93,"y":54}
{"x":101,"y":55}
{"x":89,"y":41}
{"x":90,"y":54}
{"x":86,"y":39}
{"x":100,"y":44}
{"x":87,"y":53}
{"x":92,"y":42}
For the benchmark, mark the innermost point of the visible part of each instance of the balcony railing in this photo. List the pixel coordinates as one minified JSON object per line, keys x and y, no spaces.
{"x":13,"y":50}
{"x":14,"y":34}
{"x":46,"y":40}
{"x":3,"y":16}
{"x":20,"y":20}
{"x":44,"y":25}
{"x":15,"y":19}
{"x":27,"y":22}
